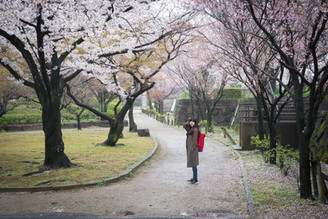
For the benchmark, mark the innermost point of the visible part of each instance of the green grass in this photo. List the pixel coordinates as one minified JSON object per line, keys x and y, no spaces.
{"x":93,"y":163}
{"x":269,"y":187}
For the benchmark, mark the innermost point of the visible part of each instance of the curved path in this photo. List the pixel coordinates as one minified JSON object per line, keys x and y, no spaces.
{"x":159,"y":188}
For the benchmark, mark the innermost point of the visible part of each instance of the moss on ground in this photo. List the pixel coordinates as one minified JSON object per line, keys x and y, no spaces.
{"x":21,"y":153}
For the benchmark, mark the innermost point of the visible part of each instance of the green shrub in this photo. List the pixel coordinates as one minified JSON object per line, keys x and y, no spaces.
{"x":232,"y":93}
{"x":161,"y":117}
{"x":286,"y":157}
{"x":85,"y":116}
{"x":263,"y":146}
{"x":21,"y":118}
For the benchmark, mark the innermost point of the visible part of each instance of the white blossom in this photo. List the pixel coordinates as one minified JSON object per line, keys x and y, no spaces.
{"x":67,"y":21}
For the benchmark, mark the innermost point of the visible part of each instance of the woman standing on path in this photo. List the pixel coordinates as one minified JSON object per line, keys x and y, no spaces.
{"x":192,"y":148}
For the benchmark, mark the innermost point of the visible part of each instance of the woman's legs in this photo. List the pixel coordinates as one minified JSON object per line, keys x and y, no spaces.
{"x":194,"y":179}
{"x":194,"y":171}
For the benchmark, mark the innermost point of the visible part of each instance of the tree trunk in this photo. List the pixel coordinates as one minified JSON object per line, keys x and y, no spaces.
{"x":209,"y":122}
{"x":273,"y":142}
{"x":115,"y":133}
{"x":200,"y":110}
{"x":192,"y":101}
{"x":149,"y":101}
{"x":117,"y":128}
{"x":132,"y":124}
{"x":304,"y":168}
{"x":314,"y":178}
{"x":260,"y":119}
{"x":161,"y":107}
{"x":78,"y":118}
{"x":101,"y":101}
{"x":322,"y":188}
{"x":54,"y":146}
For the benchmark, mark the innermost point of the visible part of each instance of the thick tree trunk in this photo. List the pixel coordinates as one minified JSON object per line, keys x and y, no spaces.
{"x":260,"y":119}
{"x":200,"y":110}
{"x":304,"y":168}
{"x":117,"y":128}
{"x":115,"y":133}
{"x":314,"y":178}
{"x":319,"y":185}
{"x":322,"y":188}
{"x":54,"y":146}
{"x":132,"y":124}
{"x":209,"y":122}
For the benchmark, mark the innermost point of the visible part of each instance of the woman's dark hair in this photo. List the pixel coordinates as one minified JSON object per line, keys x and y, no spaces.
{"x":194,"y":120}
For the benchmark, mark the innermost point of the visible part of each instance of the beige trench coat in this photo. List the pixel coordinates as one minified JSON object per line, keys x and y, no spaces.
{"x":191,"y":147}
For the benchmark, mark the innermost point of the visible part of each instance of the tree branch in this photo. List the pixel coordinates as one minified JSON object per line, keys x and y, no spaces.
{"x":102,"y":115}
{"x":137,"y":49}
{"x":73,"y":75}
{"x":74,"y":45}
{"x":19,"y":45}
{"x":17,"y":76}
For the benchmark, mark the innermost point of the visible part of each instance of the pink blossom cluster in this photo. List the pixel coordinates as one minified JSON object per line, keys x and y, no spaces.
{"x":294,"y":25}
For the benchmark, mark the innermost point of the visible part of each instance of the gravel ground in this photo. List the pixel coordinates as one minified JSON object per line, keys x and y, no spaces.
{"x":159,"y":188}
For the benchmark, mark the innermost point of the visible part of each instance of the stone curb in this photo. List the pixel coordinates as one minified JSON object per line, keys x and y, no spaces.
{"x":248,"y":194}
{"x":87,"y":184}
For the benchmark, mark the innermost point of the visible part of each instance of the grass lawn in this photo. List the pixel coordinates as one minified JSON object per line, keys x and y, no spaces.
{"x":21,"y":153}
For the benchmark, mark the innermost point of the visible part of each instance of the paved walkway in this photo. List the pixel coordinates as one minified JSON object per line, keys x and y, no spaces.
{"x":158,"y":188}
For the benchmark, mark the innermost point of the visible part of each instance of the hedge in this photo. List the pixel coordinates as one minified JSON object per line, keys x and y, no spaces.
{"x":21,"y":118}
{"x":232,"y":93}
{"x":29,"y":117}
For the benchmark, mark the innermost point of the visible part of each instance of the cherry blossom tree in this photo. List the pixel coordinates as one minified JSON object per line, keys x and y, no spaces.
{"x":165,"y":87}
{"x":141,"y":72}
{"x":204,"y":83}
{"x":31,"y":29}
{"x":58,"y":40}
{"x":297,"y":31}
{"x":249,"y":59}
{"x":148,"y":51}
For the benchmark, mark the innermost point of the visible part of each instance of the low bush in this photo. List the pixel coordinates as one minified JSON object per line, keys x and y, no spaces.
{"x":232,"y":93}
{"x":21,"y":118}
{"x":286,"y":157}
